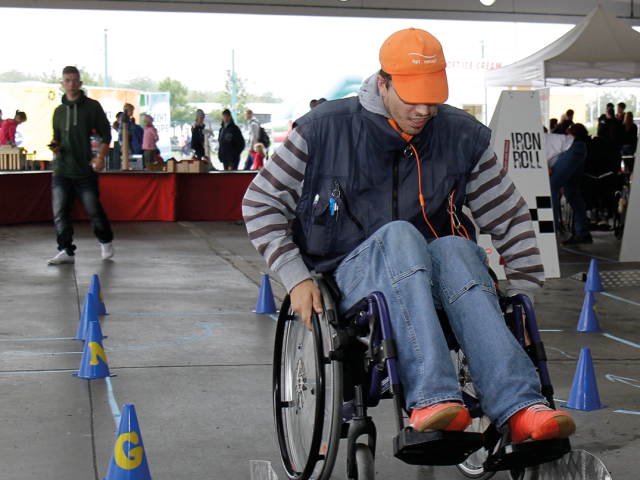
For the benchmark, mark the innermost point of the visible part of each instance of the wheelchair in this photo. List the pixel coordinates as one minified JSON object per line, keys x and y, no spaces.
{"x":325,"y":379}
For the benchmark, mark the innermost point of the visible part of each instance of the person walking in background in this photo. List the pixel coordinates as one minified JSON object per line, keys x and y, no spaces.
{"x":8,"y":128}
{"x":254,"y":135}
{"x":566,"y":123}
{"x":136,"y":132}
{"x":567,"y":174}
{"x":621,"y":108}
{"x":76,"y":167}
{"x":231,"y":142}
{"x":197,"y":135}
{"x":258,"y":157}
{"x":629,"y":141}
{"x":149,"y":148}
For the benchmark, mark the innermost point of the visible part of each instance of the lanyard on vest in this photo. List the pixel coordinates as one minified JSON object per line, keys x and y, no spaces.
{"x":456,"y":226}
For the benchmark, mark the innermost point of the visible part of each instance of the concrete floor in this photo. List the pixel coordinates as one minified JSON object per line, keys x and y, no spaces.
{"x":196,"y":362}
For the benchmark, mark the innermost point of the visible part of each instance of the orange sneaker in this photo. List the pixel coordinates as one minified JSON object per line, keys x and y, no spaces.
{"x":453,"y":417}
{"x":540,"y":422}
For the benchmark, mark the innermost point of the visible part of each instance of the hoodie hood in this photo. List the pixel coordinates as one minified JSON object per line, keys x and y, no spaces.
{"x":370,"y":98}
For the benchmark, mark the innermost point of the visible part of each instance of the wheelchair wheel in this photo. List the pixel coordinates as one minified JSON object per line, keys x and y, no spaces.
{"x":472,"y":466}
{"x":307,"y":392}
{"x":365,"y":462}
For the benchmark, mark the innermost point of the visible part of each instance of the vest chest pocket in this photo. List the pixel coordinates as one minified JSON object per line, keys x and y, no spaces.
{"x":320,"y":229}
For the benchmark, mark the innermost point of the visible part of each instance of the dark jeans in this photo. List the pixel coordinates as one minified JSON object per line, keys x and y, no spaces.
{"x":64,"y":192}
{"x":232,"y":165}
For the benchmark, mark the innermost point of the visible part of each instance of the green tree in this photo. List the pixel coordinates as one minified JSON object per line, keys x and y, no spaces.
{"x":180,"y":111}
{"x":241,"y":96}
{"x":89,"y":79}
{"x":195,"y":96}
{"x":144,"y":84}
{"x":15,"y":76}
{"x":266,"y":97}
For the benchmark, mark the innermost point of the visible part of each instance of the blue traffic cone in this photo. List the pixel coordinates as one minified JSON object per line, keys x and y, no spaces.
{"x":94,"y":360}
{"x":589,"y":316}
{"x":266,"y":302}
{"x":88,"y":315}
{"x":593,"y":284}
{"x":96,"y":291}
{"x":584,"y":391}
{"x":129,"y":459}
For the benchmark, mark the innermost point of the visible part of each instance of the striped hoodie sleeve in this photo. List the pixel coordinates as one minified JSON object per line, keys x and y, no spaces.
{"x":270,"y":204}
{"x":499,"y":210}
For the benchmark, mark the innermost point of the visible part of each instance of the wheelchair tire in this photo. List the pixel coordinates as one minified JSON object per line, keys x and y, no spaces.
{"x":307,"y":392}
{"x":365,"y":463}
{"x":472,"y":466}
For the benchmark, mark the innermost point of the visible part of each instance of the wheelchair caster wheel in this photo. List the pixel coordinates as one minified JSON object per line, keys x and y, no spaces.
{"x":365,"y":462}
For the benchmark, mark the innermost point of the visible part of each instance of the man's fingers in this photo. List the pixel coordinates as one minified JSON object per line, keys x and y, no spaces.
{"x":317,"y":301}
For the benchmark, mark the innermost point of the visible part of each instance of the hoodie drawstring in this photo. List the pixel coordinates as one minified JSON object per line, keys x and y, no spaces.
{"x":75,"y":115}
{"x":67,"y":125}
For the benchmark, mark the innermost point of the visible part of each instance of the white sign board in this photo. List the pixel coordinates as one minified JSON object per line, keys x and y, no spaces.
{"x":518,"y":140}
{"x":629,"y":252}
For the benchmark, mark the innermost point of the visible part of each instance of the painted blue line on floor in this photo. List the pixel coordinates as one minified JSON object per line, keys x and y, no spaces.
{"x":620,"y":298}
{"x":273,"y":316}
{"x":33,"y":339}
{"x":628,"y":412}
{"x":622,"y":340}
{"x":183,"y":313}
{"x":115,"y":410}
{"x":37,"y":371}
{"x":26,"y":354}
{"x":589,"y":255}
{"x":549,"y":330}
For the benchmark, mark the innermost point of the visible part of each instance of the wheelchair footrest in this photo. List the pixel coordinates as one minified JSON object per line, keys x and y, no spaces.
{"x":528,"y":454}
{"x":435,"y":448}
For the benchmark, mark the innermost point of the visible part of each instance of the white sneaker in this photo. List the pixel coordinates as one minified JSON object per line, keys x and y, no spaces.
{"x":61,"y":257}
{"x":107,"y":250}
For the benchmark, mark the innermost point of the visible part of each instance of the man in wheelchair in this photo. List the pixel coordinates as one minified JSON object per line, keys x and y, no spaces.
{"x":371,"y":189}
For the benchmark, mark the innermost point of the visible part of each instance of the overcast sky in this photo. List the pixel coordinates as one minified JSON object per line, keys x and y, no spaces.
{"x":281,"y":54}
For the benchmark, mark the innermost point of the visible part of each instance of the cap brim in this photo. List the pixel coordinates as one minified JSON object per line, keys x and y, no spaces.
{"x":426,"y":88}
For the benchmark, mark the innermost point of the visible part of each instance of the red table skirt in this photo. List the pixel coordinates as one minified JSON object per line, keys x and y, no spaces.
{"x":136,"y":196}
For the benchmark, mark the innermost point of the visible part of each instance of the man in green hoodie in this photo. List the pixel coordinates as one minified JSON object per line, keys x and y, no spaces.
{"x":76,"y":167}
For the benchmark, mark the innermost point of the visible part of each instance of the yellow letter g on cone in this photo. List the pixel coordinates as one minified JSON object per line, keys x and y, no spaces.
{"x":129,"y":459}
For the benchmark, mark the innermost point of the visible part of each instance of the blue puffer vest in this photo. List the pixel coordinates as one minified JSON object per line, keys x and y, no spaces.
{"x":357,"y":158}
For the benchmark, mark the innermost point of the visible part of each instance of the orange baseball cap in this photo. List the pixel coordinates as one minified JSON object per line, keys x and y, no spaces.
{"x":415,"y":61}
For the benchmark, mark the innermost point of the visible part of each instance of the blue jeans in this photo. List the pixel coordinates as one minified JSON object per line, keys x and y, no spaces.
{"x":451,"y":273}
{"x":64,"y":191}
{"x":567,"y":174}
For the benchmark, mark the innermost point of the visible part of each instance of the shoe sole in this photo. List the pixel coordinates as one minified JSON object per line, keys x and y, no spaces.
{"x":563,"y":427}
{"x":107,"y":258}
{"x":442,"y":420}
{"x":61,"y":263}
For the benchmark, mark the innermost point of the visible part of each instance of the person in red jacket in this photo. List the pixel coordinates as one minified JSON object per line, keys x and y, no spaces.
{"x":258,"y":156}
{"x":8,"y":128}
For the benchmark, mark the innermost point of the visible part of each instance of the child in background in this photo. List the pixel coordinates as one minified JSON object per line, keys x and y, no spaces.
{"x":258,"y":156}
{"x":149,"y":140}
{"x":197,"y":135}
{"x":8,"y":128}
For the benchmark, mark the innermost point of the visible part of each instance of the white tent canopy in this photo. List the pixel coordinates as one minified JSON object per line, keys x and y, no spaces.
{"x":600,"y":50}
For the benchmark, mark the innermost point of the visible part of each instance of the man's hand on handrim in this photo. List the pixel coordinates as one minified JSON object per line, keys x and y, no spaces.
{"x":304,"y":297}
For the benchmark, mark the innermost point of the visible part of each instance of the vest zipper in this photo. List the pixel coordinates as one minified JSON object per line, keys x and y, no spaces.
{"x":394,"y":197}
{"x":345,"y":203}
